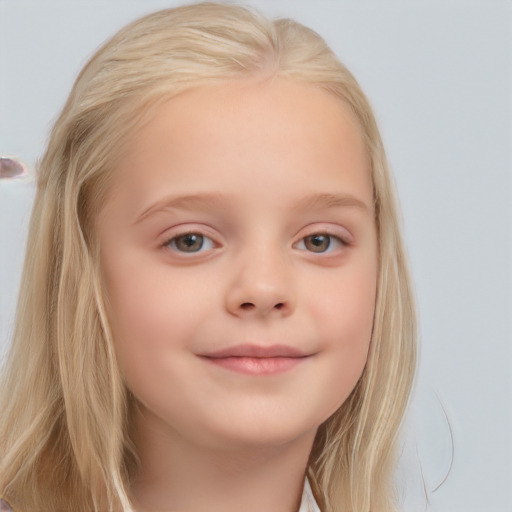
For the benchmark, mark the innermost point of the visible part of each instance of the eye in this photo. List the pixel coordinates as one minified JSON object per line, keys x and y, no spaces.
{"x":190,"y":243}
{"x":320,"y":243}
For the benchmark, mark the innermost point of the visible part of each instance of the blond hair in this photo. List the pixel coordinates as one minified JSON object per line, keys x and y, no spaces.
{"x":65,"y":420}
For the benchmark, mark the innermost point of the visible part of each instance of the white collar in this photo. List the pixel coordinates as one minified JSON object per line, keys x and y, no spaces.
{"x":308,"y":503}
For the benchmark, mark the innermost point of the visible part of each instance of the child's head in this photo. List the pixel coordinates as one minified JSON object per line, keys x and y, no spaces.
{"x":215,"y":180}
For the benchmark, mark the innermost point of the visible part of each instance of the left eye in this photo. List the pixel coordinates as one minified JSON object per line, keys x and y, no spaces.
{"x":190,"y":243}
{"x":320,"y":243}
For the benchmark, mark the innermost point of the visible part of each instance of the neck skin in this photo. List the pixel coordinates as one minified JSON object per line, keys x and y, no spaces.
{"x":177,"y":475}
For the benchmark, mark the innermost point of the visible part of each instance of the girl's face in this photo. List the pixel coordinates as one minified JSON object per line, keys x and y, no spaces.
{"x":240,"y":259}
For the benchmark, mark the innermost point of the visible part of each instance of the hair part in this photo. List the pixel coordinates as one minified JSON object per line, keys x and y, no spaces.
{"x":64,"y":429}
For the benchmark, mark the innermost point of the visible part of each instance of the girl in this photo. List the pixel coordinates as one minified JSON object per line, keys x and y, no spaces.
{"x":215,"y":311}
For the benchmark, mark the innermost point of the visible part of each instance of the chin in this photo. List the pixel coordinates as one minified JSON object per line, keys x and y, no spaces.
{"x":261,"y":433}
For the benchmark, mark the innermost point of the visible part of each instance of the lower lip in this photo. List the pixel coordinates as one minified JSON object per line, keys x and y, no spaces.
{"x":256,"y":365}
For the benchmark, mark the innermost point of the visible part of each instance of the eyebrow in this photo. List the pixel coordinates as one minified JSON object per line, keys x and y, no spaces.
{"x":212,"y":200}
{"x":322,"y":201}
{"x":186,"y":202}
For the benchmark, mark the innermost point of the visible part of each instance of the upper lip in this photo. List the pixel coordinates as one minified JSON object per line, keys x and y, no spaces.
{"x":256,"y":351}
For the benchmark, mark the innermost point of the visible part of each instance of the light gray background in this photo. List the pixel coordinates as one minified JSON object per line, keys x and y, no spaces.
{"x":439,"y":76}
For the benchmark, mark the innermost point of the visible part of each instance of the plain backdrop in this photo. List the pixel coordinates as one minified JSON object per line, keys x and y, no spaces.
{"x":439,"y":75}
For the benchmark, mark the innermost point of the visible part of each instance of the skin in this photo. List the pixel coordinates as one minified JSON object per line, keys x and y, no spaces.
{"x":263,"y":171}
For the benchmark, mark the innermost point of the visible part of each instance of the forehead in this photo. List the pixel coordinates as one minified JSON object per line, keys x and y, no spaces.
{"x":282,"y":132}
{"x":270,"y":103}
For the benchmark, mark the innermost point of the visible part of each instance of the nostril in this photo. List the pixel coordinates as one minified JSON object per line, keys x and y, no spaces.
{"x":249,"y":306}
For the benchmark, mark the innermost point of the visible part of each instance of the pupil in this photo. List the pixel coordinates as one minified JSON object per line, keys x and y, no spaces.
{"x":189,"y":242}
{"x":318,"y":243}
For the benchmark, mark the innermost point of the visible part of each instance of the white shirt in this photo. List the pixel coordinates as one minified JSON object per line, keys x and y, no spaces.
{"x":308,"y":503}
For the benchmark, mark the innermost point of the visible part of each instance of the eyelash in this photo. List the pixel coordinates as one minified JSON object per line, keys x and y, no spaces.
{"x":333,"y":242}
{"x":172,"y":242}
{"x":338,"y":242}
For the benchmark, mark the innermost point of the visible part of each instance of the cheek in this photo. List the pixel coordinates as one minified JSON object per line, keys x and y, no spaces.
{"x":136,"y":331}
{"x":141,"y":313}
{"x":344,"y":318}
{"x":344,"y":311}
{"x":155,"y":316}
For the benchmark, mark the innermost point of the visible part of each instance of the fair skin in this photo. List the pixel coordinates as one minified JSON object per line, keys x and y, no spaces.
{"x":240,"y":259}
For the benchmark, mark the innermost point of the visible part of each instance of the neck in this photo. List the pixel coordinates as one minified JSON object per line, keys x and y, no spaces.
{"x":178,"y":475}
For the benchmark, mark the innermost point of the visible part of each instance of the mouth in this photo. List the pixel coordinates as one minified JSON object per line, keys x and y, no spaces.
{"x":257,"y":359}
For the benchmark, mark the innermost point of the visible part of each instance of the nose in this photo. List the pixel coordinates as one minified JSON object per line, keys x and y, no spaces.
{"x":261,"y":285}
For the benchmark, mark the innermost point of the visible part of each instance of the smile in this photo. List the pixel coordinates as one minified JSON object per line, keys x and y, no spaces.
{"x":256,"y":360}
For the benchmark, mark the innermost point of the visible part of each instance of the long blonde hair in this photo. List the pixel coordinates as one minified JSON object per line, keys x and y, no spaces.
{"x":65,"y":412}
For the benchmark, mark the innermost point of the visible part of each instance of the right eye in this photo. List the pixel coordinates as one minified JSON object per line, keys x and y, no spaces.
{"x":190,"y":243}
{"x":321,"y":243}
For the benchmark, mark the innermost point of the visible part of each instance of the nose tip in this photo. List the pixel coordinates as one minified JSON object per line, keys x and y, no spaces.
{"x":261,"y":288}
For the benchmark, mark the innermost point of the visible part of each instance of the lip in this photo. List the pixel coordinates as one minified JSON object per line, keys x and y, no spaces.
{"x":256,"y":359}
